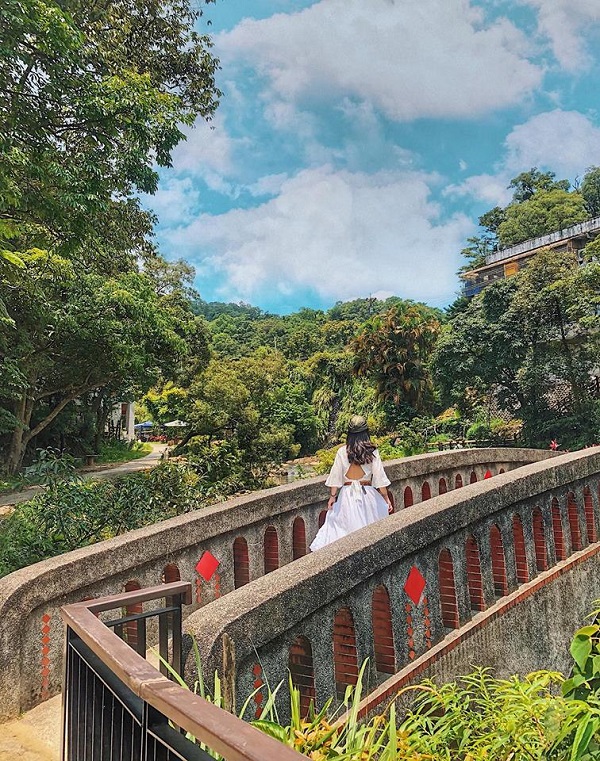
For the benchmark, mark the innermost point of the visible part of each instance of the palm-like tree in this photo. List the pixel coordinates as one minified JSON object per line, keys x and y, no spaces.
{"x":394,"y":350}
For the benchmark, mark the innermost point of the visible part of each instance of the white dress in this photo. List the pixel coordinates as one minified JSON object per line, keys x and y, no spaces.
{"x":356,"y":505}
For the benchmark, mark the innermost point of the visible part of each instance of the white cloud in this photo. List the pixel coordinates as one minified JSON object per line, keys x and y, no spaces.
{"x":420,"y":59}
{"x":487,"y":188}
{"x":174,"y":202}
{"x":563,"y":23}
{"x":565,"y":142}
{"x":343,"y":234}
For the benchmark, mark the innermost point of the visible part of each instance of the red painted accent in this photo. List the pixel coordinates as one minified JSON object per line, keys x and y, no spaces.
{"x":442,"y":487}
{"x":520,"y":553}
{"x":574,"y":527}
{"x":557,"y":530}
{"x":408,"y":497}
{"x":45,"y":657}
{"x":414,"y":584}
{"x":383,"y":635}
{"x":207,"y":565}
{"x":130,"y":629}
{"x":171,"y":573}
{"x":322,"y":516}
{"x":473,"y":478}
{"x":345,"y":657}
{"x":448,"y":604}
{"x":425,"y":491}
{"x":488,"y":474}
{"x":271,"y":550}
{"x":498,"y":562}
{"x":590,"y":521}
{"x":298,"y":539}
{"x":241,"y":564}
{"x":458,"y":482}
{"x":539,"y":540}
{"x":474,"y":580}
{"x":302,"y":672}
{"x":258,"y":683}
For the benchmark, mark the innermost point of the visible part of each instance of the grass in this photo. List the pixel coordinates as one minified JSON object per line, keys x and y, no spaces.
{"x":121,"y":451}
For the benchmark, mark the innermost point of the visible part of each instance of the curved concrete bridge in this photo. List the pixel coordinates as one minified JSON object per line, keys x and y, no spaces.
{"x":482,"y":526}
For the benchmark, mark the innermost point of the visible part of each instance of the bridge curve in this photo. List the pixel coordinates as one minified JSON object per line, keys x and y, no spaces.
{"x":248,"y":536}
{"x":509,"y":567}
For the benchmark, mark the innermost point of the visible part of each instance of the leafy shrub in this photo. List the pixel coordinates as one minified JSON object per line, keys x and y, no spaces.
{"x":118,"y":450}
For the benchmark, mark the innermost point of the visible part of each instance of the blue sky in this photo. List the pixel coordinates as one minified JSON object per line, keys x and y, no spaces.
{"x":357,"y":142}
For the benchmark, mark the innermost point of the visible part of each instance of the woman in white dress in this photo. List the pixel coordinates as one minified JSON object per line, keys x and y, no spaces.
{"x":357,"y":482}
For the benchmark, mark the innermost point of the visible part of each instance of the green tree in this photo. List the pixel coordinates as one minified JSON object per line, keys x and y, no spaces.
{"x":92,"y":97}
{"x":532,"y":341}
{"x":590,"y":190}
{"x":394,"y":349}
{"x":527,"y":184}
{"x":76,"y":333}
{"x":544,"y":212}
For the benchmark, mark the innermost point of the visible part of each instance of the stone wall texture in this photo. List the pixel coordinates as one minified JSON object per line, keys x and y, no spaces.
{"x":472,"y":548}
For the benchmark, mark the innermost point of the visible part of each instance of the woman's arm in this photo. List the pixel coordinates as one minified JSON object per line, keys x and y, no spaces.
{"x":332,"y":498}
{"x":384,"y":493}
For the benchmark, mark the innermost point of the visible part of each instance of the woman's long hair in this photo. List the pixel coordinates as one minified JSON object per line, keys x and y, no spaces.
{"x":360,"y":448}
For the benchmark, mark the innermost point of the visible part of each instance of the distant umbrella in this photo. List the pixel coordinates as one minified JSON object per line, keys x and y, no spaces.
{"x":175,"y":424}
{"x":147,"y":424}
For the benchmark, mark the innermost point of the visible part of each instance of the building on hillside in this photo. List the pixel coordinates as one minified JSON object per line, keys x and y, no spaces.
{"x":508,"y":261}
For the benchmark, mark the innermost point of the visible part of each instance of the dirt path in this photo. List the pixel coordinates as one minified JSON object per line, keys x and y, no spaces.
{"x":95,"y":472}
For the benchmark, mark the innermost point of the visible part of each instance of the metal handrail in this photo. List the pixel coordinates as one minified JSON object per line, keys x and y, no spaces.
{"x":224,"y":733}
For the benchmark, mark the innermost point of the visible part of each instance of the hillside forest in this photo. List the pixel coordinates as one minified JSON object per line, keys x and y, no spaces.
{"x":92,"y":315}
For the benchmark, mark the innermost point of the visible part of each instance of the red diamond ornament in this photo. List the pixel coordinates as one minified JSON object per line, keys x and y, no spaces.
{"x":207,"y":565}
{"x":414,"y":585}
{"x":488,"y":474}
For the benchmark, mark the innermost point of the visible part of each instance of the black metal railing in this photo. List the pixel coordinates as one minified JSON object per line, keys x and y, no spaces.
{"x":118,"y":707}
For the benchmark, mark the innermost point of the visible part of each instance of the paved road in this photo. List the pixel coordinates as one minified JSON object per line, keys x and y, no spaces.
{"x":95,"y":472}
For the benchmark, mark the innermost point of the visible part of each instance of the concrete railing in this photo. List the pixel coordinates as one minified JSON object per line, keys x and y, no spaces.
{"x":246,"y":537}
{"x":396,"y":589}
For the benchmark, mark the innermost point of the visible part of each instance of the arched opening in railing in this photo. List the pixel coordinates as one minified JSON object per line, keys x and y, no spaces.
{"x":498,"y":562}
{"x":458,"y":482}
{"x":520,"y":552}
{"x":442,"y":486}
{"x":539,"y":540}
{"x":241,"y":563}
{"x":501,"y":471}
{"x":383,"y":635}
{"x":345,"y":656}
{"x":271,"y":550}
{"x":302,"y":672}
{"x":448,"y":604}
{"x":130,"y":629}
{"x":474,"y":580}
{"x":557,"y":531}
{"x":590,"y":520}
{"x":170,"y":574}
{"x":298,"y":539}
{"x":473,"y":477}
{"x":408,"y":496}
{"x":425,"y":491}
{"x":322,"y":516}
{"x":574,"y":527}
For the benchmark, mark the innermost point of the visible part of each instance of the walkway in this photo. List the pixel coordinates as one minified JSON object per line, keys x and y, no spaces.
{"x":35,"y":736}
{"x":94,"y":472}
